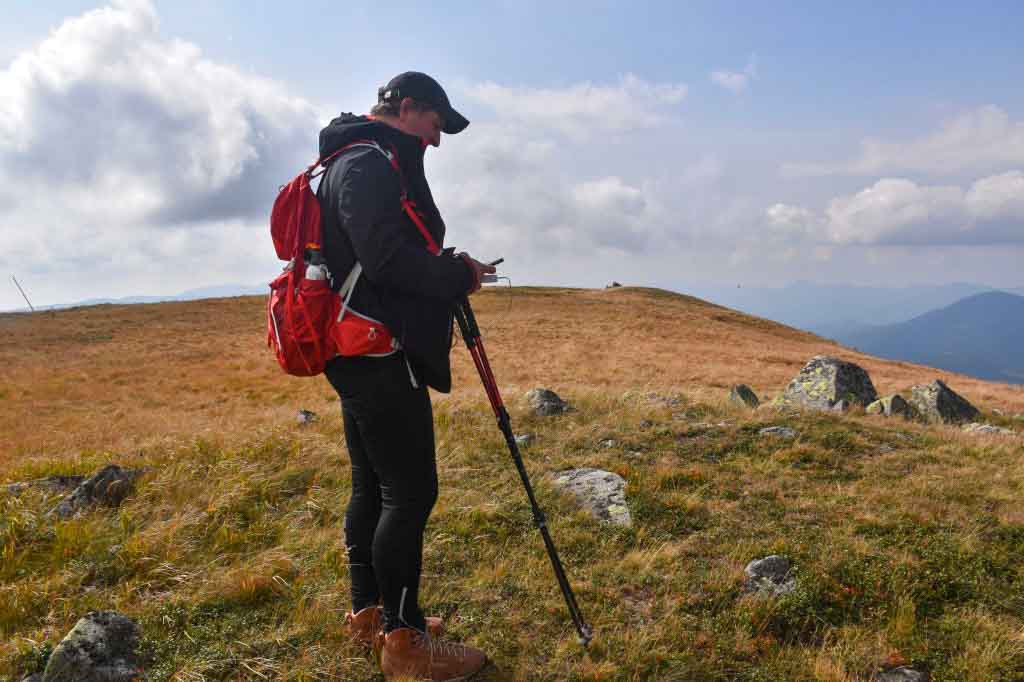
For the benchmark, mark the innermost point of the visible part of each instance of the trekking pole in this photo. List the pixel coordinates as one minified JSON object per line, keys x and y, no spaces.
{"x":471,"y":335}
{"x":23,"y":295}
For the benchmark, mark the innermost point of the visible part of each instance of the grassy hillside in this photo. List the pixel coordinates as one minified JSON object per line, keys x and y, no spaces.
{"x":907,"y":539}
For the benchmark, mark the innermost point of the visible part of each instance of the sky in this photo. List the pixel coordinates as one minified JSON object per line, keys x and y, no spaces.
{"x":668,"y":144}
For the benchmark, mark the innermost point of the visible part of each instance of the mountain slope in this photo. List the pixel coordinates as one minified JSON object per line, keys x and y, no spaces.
{"x":982,"y":335}
{"x":172,"y":368}
{"x":230,"y":555}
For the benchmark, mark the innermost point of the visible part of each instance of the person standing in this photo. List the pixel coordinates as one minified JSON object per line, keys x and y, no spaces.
{"x":382,"y":243}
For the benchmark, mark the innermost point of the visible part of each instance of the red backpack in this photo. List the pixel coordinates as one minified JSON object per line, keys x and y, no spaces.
{"x":302,"y":312}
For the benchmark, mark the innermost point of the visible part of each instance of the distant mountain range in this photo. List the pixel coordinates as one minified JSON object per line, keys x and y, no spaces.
{"x":981,"y":335}
{"x":220,"y":291}
{"x":838,"y":310}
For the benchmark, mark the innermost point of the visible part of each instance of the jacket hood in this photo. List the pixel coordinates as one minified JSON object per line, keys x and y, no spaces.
{"x":348,"y":128}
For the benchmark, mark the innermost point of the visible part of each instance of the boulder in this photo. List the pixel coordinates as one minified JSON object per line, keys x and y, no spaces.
{"x":938,"y":402}
{"x":975,"y":427}
{"x":545,"y":402}
{"x":824,"y":381}
{"x":602,"y":493}
{"x":778,"y":432}
{"x":893,"y":405}
{"x":771,"y":576}
{"x":740,"y":394}
{"x":108,"y":486}
{"x":100,"y":648}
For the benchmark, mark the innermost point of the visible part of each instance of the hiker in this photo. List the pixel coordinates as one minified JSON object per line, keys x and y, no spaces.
{"x":395,"y":334}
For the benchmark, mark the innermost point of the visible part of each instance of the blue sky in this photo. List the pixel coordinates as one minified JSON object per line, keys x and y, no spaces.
{"x":649,"y":143}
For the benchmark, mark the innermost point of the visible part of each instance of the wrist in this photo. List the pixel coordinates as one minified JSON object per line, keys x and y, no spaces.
{"x":474,"y":272}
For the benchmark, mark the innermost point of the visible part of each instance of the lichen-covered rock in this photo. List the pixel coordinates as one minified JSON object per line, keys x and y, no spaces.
{"x":108,"y":486}
{"x":602,"y":493}
{"x":824,"y":381}
{"x":938,"y":402}
{"x":545,"y":402}
{"x":901,"y":674}
{"x":893,"y":405}
{"x":772,"y":575}
{"x":778,"y":432}
{"x":975,"y":427}
{"x":740,"y":394}
{"x":100,"y":648}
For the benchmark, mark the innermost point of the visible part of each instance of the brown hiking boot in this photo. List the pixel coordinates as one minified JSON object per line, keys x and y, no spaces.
{"x":364,"y":626}
{"x":412,"y":653}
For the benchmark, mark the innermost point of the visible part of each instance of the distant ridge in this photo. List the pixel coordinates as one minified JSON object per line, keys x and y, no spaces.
{"x":838,"y":310}
{"x":218,"y":291}
{"x":981,"y":335}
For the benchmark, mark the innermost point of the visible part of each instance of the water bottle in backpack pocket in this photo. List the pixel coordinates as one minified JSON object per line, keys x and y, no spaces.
{"x":300,"y":315}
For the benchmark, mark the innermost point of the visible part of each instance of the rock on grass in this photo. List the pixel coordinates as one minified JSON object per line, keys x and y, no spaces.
{"x":975,"y":427}
{"x":545,"y":402}
{"x":100,"y":648}
{"x":108,"y":486}
{"x":772,"y":576}
{"x":937,"y":402}
{"x":778,"y":432}
{"x":602,"y":493}
{"x":741,"y":394}
{"x":825,"y":381}
{"x":893,"y":405}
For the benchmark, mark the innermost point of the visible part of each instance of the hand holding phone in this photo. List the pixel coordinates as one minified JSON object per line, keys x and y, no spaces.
{"x":491,"y":278}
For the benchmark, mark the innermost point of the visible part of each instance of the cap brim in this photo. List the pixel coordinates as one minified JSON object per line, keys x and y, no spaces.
{"x":454,"y":122}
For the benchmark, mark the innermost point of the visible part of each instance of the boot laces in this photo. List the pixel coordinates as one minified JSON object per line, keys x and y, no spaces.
{"x":441,"y":648}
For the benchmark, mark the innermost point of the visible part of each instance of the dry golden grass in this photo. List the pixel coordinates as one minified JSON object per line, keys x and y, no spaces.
{"x":121,"y":378}
{"x":908,"y":538}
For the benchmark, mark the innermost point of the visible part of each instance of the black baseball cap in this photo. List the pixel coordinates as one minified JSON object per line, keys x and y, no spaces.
{"x":423,"y":88}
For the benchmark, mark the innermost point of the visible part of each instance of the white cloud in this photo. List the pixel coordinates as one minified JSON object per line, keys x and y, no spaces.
{"x":998,"y":197}
{"x":503,"y":189}
{"x":792,"y":222}
{"x":984,"y":139}
{"x":898,"y":211}
{"x":585,"y":109}
{"x":119,"y":147}
{"x":736,"y":82}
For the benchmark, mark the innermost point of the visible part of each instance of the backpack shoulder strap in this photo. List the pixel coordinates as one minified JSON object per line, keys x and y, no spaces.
{"x":407,"y":204}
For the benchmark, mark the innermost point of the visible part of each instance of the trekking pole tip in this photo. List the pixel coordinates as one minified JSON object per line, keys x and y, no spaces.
{"x":585,"y":635}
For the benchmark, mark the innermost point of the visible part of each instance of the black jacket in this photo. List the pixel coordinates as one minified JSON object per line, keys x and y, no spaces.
{"x":403,"y":285}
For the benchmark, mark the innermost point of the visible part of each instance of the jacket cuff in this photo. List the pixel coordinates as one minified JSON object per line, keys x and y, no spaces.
{"x":474,"y":277}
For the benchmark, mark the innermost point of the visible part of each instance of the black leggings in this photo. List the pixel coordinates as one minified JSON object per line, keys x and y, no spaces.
{"x":389,"y":429}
